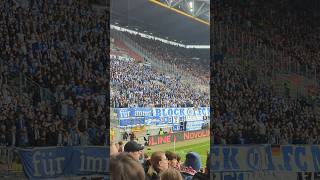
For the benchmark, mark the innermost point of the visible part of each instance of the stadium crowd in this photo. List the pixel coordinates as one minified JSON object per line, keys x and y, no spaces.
{"x":61,"y":47}
{"x":289,"y":29}
{"x":179,"y":57}
{"x":136,"y":85}
{"x":249,"y":111}
{"x":130,"y":162}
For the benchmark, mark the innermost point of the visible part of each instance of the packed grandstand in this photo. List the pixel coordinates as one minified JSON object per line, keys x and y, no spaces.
{"x":53,"y":83}
{"x":258,"y":97}
{"x":137,"y":84}
{"x":265,"y":81}
{"x":159,"y":99}
{"x":53,"y":88}
{"x":53,"y":77}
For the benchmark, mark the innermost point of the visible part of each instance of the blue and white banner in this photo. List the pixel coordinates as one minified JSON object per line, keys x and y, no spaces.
{"x":285,"y":158}
{"x":169,"y":112}
{"x":162,"y":112}
{"x":256,"y":175}
{"x":159,"y":116}
{"x":131,"y":121}
{"x":194,"y":125}
{"x":176,"y":127}
{"x":133,"y":112}
{"x":42,"y":163}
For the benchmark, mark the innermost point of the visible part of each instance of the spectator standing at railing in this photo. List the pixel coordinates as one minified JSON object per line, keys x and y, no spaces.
{"x":60,"y":137}
{"x":125,"y":136}
{"x":36,"y":134}
{"x":132,"y":136}
{"x":12,"y":136}
{"x":3,"y":141}
{"x":112,"y":134}
{"x":161,"y":132}
{"x":84,"y":138}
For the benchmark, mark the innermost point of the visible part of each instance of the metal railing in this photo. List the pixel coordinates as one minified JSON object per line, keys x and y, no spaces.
{"x":29,"y":85}
{"x":23,"y":85}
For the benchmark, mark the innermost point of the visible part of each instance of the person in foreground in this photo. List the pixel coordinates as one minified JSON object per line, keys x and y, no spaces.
{"x":191,"y":165}
{"x":171,"y":174}
{"x":159,"y":164}
{"x":134,"y":149}
{"x":124,"y":167}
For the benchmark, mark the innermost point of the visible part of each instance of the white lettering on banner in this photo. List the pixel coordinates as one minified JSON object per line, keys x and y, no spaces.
{"x":53,"y":162}
{"x":35,"y":163}
{"x":91,"y":164}
{"x":194,"y":125}
{"x":201,"y":111}
{"x":44,"y":163}
{"x":124,"y":113}
{"x":138,"y":113}
{"x":52,"y":166}
{"x":50,"y":171}
{"x":160,"y":116}
{"x":194,"y":118}
{"x":286,"y":158}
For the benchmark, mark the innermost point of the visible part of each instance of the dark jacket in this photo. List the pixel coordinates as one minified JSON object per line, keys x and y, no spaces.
{"x":152,"y":174}
{"x":153,"y":177}
{"x":201,"y":176}
{"x":186,"y":176}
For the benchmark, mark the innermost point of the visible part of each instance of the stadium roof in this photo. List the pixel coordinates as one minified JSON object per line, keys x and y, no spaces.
{"x":148,"y":17}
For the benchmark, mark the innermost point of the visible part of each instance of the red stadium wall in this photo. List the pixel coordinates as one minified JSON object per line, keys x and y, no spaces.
{"x":180,"y":136}
{"x":131,"y":53}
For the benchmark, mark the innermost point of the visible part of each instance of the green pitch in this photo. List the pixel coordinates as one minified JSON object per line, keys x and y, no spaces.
{"x":201,"y":146}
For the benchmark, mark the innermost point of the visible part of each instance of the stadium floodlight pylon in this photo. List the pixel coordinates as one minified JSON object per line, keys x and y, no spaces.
{"x":195,"y":9}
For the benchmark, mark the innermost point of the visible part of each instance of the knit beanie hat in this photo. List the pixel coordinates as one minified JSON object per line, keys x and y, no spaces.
{"x":193,"y":160}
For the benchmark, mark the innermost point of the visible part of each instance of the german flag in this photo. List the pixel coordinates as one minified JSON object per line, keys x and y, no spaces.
{"x":275,"y":149}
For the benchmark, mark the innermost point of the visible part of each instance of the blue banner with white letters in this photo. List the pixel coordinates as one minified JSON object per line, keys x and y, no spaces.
{"x":284,"y":158}
{"x":133,"y":112}
{"x":194,"y":125}
{"x":129,"y":117}
{"x":169,"y":112}
{"x":42,"y":163}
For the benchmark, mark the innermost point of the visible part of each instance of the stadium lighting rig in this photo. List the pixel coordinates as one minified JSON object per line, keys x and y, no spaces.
{"x":198,"y":10}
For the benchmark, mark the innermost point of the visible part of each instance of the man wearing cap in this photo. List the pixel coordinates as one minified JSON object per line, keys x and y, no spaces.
{"x":134,"y":149}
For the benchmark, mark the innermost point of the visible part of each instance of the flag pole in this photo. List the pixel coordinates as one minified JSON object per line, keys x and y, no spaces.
{"x":174,"y":144}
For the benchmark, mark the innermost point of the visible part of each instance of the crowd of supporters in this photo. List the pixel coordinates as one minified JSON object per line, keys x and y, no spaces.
{"x":288,"y":29}
{"x":60,"y":47}
{"x":249,"y":111}
{"x":136,"y":84}
{"x":130,"y":162}
{"x":193,"y":61}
